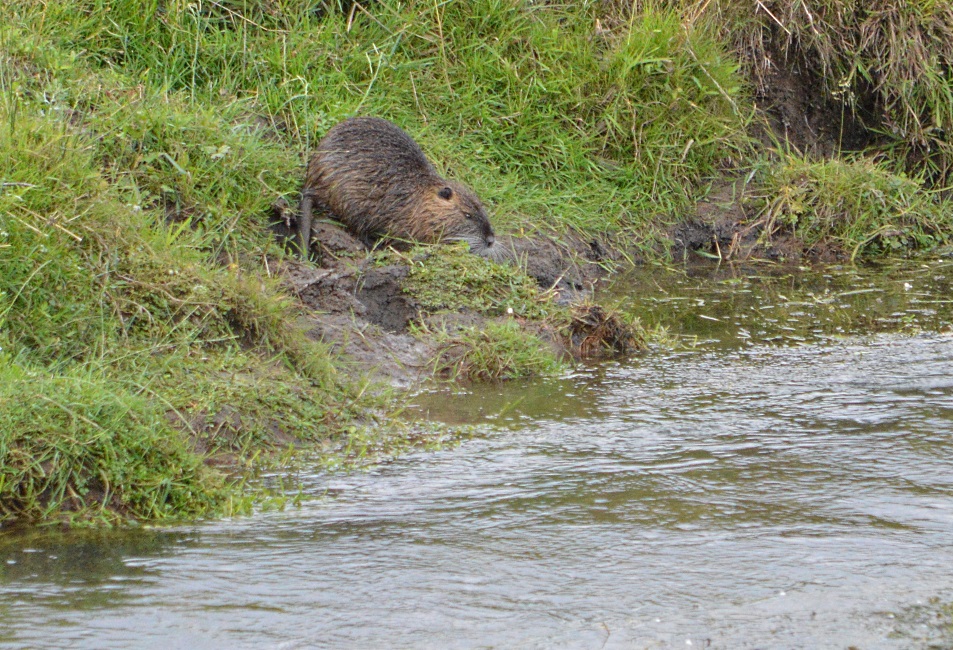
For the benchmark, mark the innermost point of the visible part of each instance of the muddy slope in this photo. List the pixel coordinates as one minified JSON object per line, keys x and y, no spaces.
{"x":361,"y":309}
{"x":793,"y":115}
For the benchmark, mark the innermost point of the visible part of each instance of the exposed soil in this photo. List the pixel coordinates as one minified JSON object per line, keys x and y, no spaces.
{"x":363,"y":314}
{"x":799,"y":115}
{"x":361,"y":310}
{"x":724,"y":227}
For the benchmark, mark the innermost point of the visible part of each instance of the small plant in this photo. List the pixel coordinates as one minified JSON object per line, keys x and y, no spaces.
{"x":501,"y":350}
{"x":451,"y":278}
{"x":860,"y":204}
{"x":595,"y":332}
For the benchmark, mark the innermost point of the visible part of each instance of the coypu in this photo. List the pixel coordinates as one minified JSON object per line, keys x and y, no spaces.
{"x":372,"y":177}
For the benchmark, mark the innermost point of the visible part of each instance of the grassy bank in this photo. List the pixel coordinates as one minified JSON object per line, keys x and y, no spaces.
{"x":144,"y":332}
{"x":882,"y":71}
{"x":131,"y":349}
{"x":860,"y":102}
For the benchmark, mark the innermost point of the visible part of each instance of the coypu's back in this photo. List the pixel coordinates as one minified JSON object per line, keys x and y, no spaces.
{"x":375,"y":179}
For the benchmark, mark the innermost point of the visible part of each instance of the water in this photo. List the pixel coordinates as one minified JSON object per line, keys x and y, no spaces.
{"x":786,"y":483}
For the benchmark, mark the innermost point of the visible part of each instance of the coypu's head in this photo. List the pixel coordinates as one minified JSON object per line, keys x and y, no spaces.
{"x":462,"y":218}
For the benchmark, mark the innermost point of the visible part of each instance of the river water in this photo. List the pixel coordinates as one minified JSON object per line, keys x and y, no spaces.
{"x":782,"y":479}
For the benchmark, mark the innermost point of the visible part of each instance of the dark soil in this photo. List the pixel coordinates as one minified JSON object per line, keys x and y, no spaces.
{"x":801,"y":117}
{"x":363,"y":314}
{"x":360,"y":309}
{"x":796,"y":115}
{"x":570,"y":267}
{"x":725,"y":228}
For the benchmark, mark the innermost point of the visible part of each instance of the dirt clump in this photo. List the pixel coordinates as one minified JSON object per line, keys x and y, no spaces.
{"x":597,"y":333}
{"x":358,"y":304}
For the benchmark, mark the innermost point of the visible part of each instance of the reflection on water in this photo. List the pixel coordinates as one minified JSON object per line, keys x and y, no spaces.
{"x":748,"y":493}
{"x":734,"y":306}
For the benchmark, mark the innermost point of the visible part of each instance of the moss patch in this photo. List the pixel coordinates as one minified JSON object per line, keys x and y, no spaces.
{"x":450,"y":278}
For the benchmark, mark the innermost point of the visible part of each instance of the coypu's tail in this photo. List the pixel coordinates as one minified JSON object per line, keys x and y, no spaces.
{"x":304,"y":225}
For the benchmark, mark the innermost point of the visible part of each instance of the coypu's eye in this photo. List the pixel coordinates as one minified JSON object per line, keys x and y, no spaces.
{"x":445,"y":193}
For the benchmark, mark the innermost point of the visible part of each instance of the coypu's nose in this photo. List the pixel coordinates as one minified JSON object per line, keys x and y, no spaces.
{"x":490,"y":239}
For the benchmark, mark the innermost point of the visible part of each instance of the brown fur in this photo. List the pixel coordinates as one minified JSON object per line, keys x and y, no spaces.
{"x":372,"y":177}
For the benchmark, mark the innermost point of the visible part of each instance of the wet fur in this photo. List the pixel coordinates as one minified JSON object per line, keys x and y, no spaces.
{"x":372,"y":177}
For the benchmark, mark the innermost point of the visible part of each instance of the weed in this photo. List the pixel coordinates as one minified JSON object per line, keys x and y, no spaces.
{"x":500,"y":350}
{"x":595,"y":332}
{"x":861,"y":204}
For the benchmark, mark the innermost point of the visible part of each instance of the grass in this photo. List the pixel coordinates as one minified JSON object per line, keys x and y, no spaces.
{"x":75,"y":447}
{"x":448,"y":278}
{"x":535,"y":334}
{"x":498,"y":351}
{"x":887,"y":64}
{"x":135,"y":317}
{"x":860,"y":204}
{"x":519,"y":100}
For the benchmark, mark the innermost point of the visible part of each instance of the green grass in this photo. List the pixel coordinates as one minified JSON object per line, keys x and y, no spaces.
{"x":76,"y":447}
{"x":860,"y":204}
{"x":549,"y":124}
{"x":125,"y":314}
{"x":498,"y":351}
{"x":449,"y":278}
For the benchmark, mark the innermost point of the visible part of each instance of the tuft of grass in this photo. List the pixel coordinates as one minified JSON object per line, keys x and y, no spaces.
{"x":450,"y":278}
{"x":861,"y":204}
{"x":500,"y":350}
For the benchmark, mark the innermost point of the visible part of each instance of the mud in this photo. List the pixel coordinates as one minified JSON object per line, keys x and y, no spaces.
{"x":724,"y":227}
{"x":570,"y":267}
{"x":360,"y":310}
{"x":798,"y":114}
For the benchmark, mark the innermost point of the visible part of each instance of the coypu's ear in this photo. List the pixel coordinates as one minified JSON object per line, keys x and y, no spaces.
{"x":445,"y":193}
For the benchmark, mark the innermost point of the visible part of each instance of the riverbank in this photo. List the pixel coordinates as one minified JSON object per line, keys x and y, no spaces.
{"x":156,"y":337}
